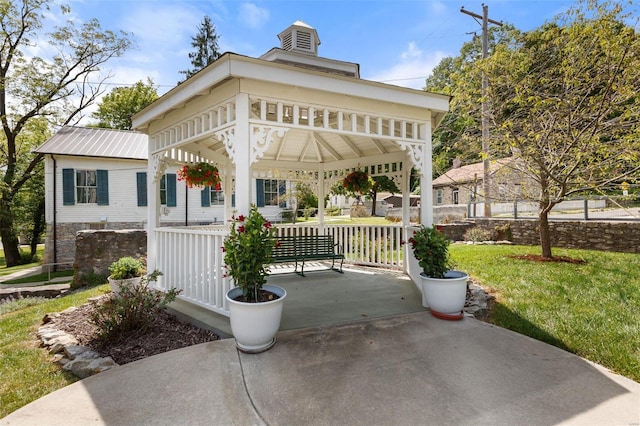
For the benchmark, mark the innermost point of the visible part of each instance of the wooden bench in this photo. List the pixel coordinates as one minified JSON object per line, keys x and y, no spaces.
{"x":300,"y":248}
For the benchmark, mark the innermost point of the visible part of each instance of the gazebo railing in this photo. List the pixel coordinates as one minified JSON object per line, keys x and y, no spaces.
{"x":191,"y":258}
{"x":371,"y":245}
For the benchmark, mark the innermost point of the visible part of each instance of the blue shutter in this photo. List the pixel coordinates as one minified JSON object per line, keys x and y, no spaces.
{"x":260,"y":192}
{"x":68,"y":187}
{"x":171,"y":190}
{"x":102,"y":178}
{"x":205,"y":197}
{"x":233,"y":200}
{"x":141,"y":181}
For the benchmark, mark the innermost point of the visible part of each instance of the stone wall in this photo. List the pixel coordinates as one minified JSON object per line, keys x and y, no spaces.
{"x":66,"y":236}
{"x":597,"y":235}
{"x":96,"y":250}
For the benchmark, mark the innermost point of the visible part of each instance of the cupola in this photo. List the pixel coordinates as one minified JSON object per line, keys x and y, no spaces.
{"x":300,"y":37}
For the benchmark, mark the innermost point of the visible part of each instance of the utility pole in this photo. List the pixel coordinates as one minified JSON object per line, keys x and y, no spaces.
{"x":485,"y":107}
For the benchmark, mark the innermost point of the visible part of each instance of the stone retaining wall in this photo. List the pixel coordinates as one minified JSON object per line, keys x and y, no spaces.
{"x":598,"y":235}
{"x":96,"y":250}
{"x":66,"y":236}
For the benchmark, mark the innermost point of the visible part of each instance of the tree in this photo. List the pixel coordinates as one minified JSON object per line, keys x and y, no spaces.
{"x":381,"y":184}
{"x":117,"y":107}
{"x":29,"y":203}
{"x":459,"y":133}
{"x":206,"y":47}
{"x":302,"y":198}
{"x":57,"y":88}
{"x":565,"y":101}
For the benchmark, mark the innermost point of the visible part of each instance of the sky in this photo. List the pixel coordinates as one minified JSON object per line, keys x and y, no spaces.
{"x":394,"y":41}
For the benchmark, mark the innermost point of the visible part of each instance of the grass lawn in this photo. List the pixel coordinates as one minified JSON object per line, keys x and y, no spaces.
{"x":26,"y":369}
{"x":590,"y":309}
{"x":6,"y":271}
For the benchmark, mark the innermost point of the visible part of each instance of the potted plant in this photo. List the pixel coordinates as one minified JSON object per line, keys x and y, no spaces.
{"x":255,"y":308}
{"x":358,"y":183}
{"x":125,"y":271}
{"x":444,"y":290}
{"x":200,"y":175}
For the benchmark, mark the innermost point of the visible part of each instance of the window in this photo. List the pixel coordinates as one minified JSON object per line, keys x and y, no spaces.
{"x":217,"y":197}
{"x":274,"y":191}
{"x":439,"y":196}
{"x":86,"y":187}
{"x":455,"y":195}
{"x":211,"y":197}
{"x":168,"y":190}
{"x":163,"y":190}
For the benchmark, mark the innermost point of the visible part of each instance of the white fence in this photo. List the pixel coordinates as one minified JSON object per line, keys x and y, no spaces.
{"x":191,"y":258}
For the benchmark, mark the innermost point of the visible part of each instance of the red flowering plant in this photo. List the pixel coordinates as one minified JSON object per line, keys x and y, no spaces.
{"x":357,"y":182}
{"x":200,"y":174}
{"x":247,"y":254}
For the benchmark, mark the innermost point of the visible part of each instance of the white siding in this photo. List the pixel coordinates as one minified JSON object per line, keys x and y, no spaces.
{"x":123,"y":201}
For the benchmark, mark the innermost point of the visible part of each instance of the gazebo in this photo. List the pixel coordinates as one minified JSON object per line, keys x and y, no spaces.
{"x":288,"y":116}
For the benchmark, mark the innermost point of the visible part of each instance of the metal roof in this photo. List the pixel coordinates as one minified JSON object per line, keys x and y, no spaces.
{"x":96,"y":142}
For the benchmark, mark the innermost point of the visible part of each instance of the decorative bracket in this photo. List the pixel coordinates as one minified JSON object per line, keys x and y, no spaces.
{"x":228,"y":137}
{"x":261,"y":138}
{"x":158,"y":165}
{"x":416,"y":152}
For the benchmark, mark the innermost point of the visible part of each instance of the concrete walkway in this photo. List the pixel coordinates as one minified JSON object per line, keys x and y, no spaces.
{"x":408,"y":369}
{"x":378,"y":358}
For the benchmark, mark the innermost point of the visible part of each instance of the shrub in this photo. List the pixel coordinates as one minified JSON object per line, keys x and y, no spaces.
{"x":133,"y":310}
{"x":125,"y":268}
{"x":476,"y":235}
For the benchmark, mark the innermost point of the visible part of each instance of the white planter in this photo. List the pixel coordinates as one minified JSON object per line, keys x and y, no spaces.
{"x":445,"y":295}
{"x":254,"y":325}
{"x":115,"y":284}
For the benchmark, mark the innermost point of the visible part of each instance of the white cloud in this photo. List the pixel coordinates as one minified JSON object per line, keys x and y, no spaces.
{"x":252,"y":15}
{"x":412,"y":68}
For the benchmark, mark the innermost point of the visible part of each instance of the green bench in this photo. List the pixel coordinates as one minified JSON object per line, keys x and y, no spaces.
{"x":300,"y":248}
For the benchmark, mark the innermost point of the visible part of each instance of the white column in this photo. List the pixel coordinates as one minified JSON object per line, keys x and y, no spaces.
{"x":153,"y":213}
{"x":426,"y":180}
{"x":228,"y":191}
{"x":406,"y":194}
{"x":320,"y":198}
{"x":242,"y":155}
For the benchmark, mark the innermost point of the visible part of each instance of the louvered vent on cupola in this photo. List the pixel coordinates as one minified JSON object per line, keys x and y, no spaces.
{"x":300,"y":37}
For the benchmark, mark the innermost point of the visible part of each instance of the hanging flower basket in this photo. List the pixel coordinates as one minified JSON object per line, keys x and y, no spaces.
{"x":357,"y":182}
{"x":200,"y":174}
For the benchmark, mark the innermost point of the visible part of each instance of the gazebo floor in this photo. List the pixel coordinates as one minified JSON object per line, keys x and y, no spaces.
{"x":325,"y":297}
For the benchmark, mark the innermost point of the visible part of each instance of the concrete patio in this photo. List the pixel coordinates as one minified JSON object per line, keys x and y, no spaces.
{"x":324,"y":297}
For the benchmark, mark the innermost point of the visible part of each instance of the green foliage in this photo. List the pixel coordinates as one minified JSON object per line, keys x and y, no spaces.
{"x":55,"y":89}
{"x":13,"y":305}
{"x":248,"y":251}
{"x":431,"y":249}
{"x":133,"y":310}
{"x":206,"y":47}
{"x":125,"y":268}
{"x":565,"y":102}
{"x":117,"y":107}
{"x":477,"y":235}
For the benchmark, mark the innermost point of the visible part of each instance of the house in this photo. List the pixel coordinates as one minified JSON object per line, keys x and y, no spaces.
{"x":290,"y":115}
{"x":464,"y":184}
{"x":97,"y":179}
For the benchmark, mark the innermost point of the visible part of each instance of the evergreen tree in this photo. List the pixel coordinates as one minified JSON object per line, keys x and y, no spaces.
{"x":206,"y":47}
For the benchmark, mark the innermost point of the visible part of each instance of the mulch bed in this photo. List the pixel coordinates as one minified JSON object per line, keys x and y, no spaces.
{"x":539,"y":258}
{"x":166,"y":334}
